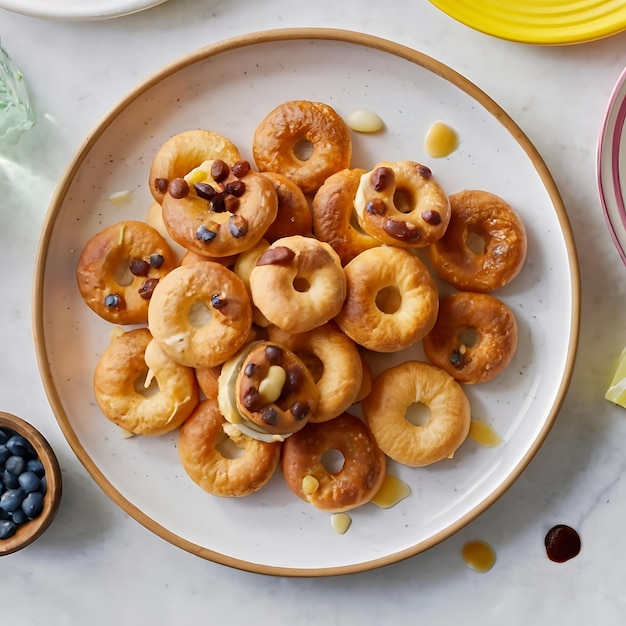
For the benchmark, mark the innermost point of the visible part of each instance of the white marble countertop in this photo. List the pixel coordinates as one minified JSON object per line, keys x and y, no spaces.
{"x":96,"y":565}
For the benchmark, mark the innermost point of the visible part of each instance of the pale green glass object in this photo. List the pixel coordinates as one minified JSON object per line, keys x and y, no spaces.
{"x":16,"y":114}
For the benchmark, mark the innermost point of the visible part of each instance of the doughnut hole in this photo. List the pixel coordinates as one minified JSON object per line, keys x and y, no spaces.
{"x":303,"y":149}
{"x":468,"y":337}
{"x":301,"y":284}
{"x":333,"y":460}
{"x":477,"y":240}
{"x":229,"y":448}
{"x":388,"y":299}
{"x":403,"y":200}
{"x":199,"y":314}
{"x":149,"y":390}
{"x":122,"y":274}
{"x":418,"y":414}
{"x":312,"y":363}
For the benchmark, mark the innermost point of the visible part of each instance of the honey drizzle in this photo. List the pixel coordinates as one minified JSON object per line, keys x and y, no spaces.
{"x":392,"y":491}
{"x":484,"y":434}
{"x":440,"y":140}
{"x":478,"y":555}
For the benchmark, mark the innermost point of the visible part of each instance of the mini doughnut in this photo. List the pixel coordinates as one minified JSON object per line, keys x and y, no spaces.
{"x":334,"y":362}
{"x":298,"y":283}
{"x":154,"y":218}
{"x":333,"y":213}
{"x":414,"y":382}
{"x":201,"y":315}
{"x":267,"y":391}
{"x":282,"y":138}
{"x":401,"y":204}
{"x":202,"y":437}
{"x":294,"y":213}
{"x":182,"y":153}
{"x":392,"y":299}
{"x":217,"y":210}
{"x":484,"y":247}
{"x":243,"y":267}
{"x":474,"y":337}
{"x":193,"y":257}
{"x":355,"y":483}
{"x":131,"y":362}
{"x":119,"y":268}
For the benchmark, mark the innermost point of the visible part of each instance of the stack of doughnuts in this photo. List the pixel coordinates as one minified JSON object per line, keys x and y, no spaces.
{"x":258,"y":290}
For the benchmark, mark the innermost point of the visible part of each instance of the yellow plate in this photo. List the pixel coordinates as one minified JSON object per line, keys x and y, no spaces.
{"x":540,"y":21}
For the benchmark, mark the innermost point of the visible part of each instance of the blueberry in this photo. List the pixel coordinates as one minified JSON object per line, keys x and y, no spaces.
{"x":5,"y":453}
{"x":15,"y":464}
{"x":9,"y":479}
{"x":7,"y":528}
{"x":36,"y":466}
{"x":44,"y":485}
{"x":4,"y":435}
{"x":4,"y":514}
{"x":19,"y":517}
{"x":32,"y":504}
{"x":29,"y":482}
{"x":20,"y":446}
{"x":11,"y":499}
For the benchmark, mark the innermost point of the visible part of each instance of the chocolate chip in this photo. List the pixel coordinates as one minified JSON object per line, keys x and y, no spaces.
{"x":219,"y":170}
{"x":458,"y":359}
{"x":382,"y":177}
{"x":241,"y":168}
{"x":231,"y":203}
{"x":425,"y":172}
{"x":300,"y":410}
{"x":113,"y":300}
{"x":145,"y":291}
{"x":217,"y":203}
{"x":432,"y":217}
{"x":270,"y":416}
{"x":204,"y":190}
{"x":273,"y":354}
{"x":238,"y":225}
{"x":139,"y":267}
{"x":402,"y":231}
{"x":178,"y":188}
{"x":161,"y":184}
{"x":251,"y":399}
{"x":250,"y":370}
{"x":280,"y":255}
{"x":218,"y":302}
{"x":376,"y":206}
{"x":156,"y":260}
{"x":294,"y":380}
{"x":236,"y":188}
{"x":205,"y":235}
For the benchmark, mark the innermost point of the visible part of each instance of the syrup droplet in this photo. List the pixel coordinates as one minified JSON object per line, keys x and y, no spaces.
{"x":479,"y":555}
{"x":484,"y":434}
{"x":340,"y":522}
{"x":392,"y":491}
{"x":562,"y":543}
{"x":441,"y":140}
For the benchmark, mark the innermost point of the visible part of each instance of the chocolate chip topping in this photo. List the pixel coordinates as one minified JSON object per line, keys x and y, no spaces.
{"x":219,"y":170}
{"x":238,"y":225}
{"x":251,"y":369}
{"x":236,"y":188}
{"x":241,"y":168}
{"x":251,"y":399}
{"x":300,"y":410}
{"x":178,"y":188}
{"x":402,"y":231}
{"x":280,"y":255}
{"x":113,"y":300}
{"x":382,"y":177}
{"x":270,"y":416}
{"x":273,"y":354}
{"x":425,"y":172}
{"x":204,"y":190}
{"x":376,"y":206}
{"x":217,"y":202}
{"x":161,"y":184}
{"x":218,"y":301}
{"x":432,"y":217}
{"x":459,"y":358}
{"x":139,"y":267}
{"x":294,"y":380}
{"x":205,"y":235}
{"x":156,"y":260}
{"x":231,"y":203}
{"x":145,"y":291}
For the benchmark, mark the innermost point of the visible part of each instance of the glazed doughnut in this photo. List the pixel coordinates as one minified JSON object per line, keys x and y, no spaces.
{"x":288,"y":130}
{"x":218,"y":210}
{"x":354,"y":484}
{"x":298,"y":283}
{"x":414,"y":382}
{"x":267,"y":391}
{"x":131,"y":362}
{"x":201,"y":440}
{"x":119,"y":268}
{"x":201,"y":315}
{"x":401,"y":204}
{"x":498,"y":251}
{"x":184,"y":152}
{"x":474,"y":337}
{"x":334,"y":362}
{"x":392,"y":299}
{"x":333,"y":212}
{"x":294,"y":214}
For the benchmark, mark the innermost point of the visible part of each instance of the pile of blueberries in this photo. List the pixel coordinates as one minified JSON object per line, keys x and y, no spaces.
{"x":22,"y":482}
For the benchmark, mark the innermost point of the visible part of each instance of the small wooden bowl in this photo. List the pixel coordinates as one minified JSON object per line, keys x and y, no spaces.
{"x":29,"y":531}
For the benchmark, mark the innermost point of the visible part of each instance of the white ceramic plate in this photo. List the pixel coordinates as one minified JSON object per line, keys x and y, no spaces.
{"x":611,"y":165}
{"x":229,"y":87}
{"x":77,"y":10}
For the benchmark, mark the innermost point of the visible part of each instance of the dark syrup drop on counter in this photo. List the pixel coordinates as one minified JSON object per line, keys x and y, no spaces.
{"x":562,"y":543}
